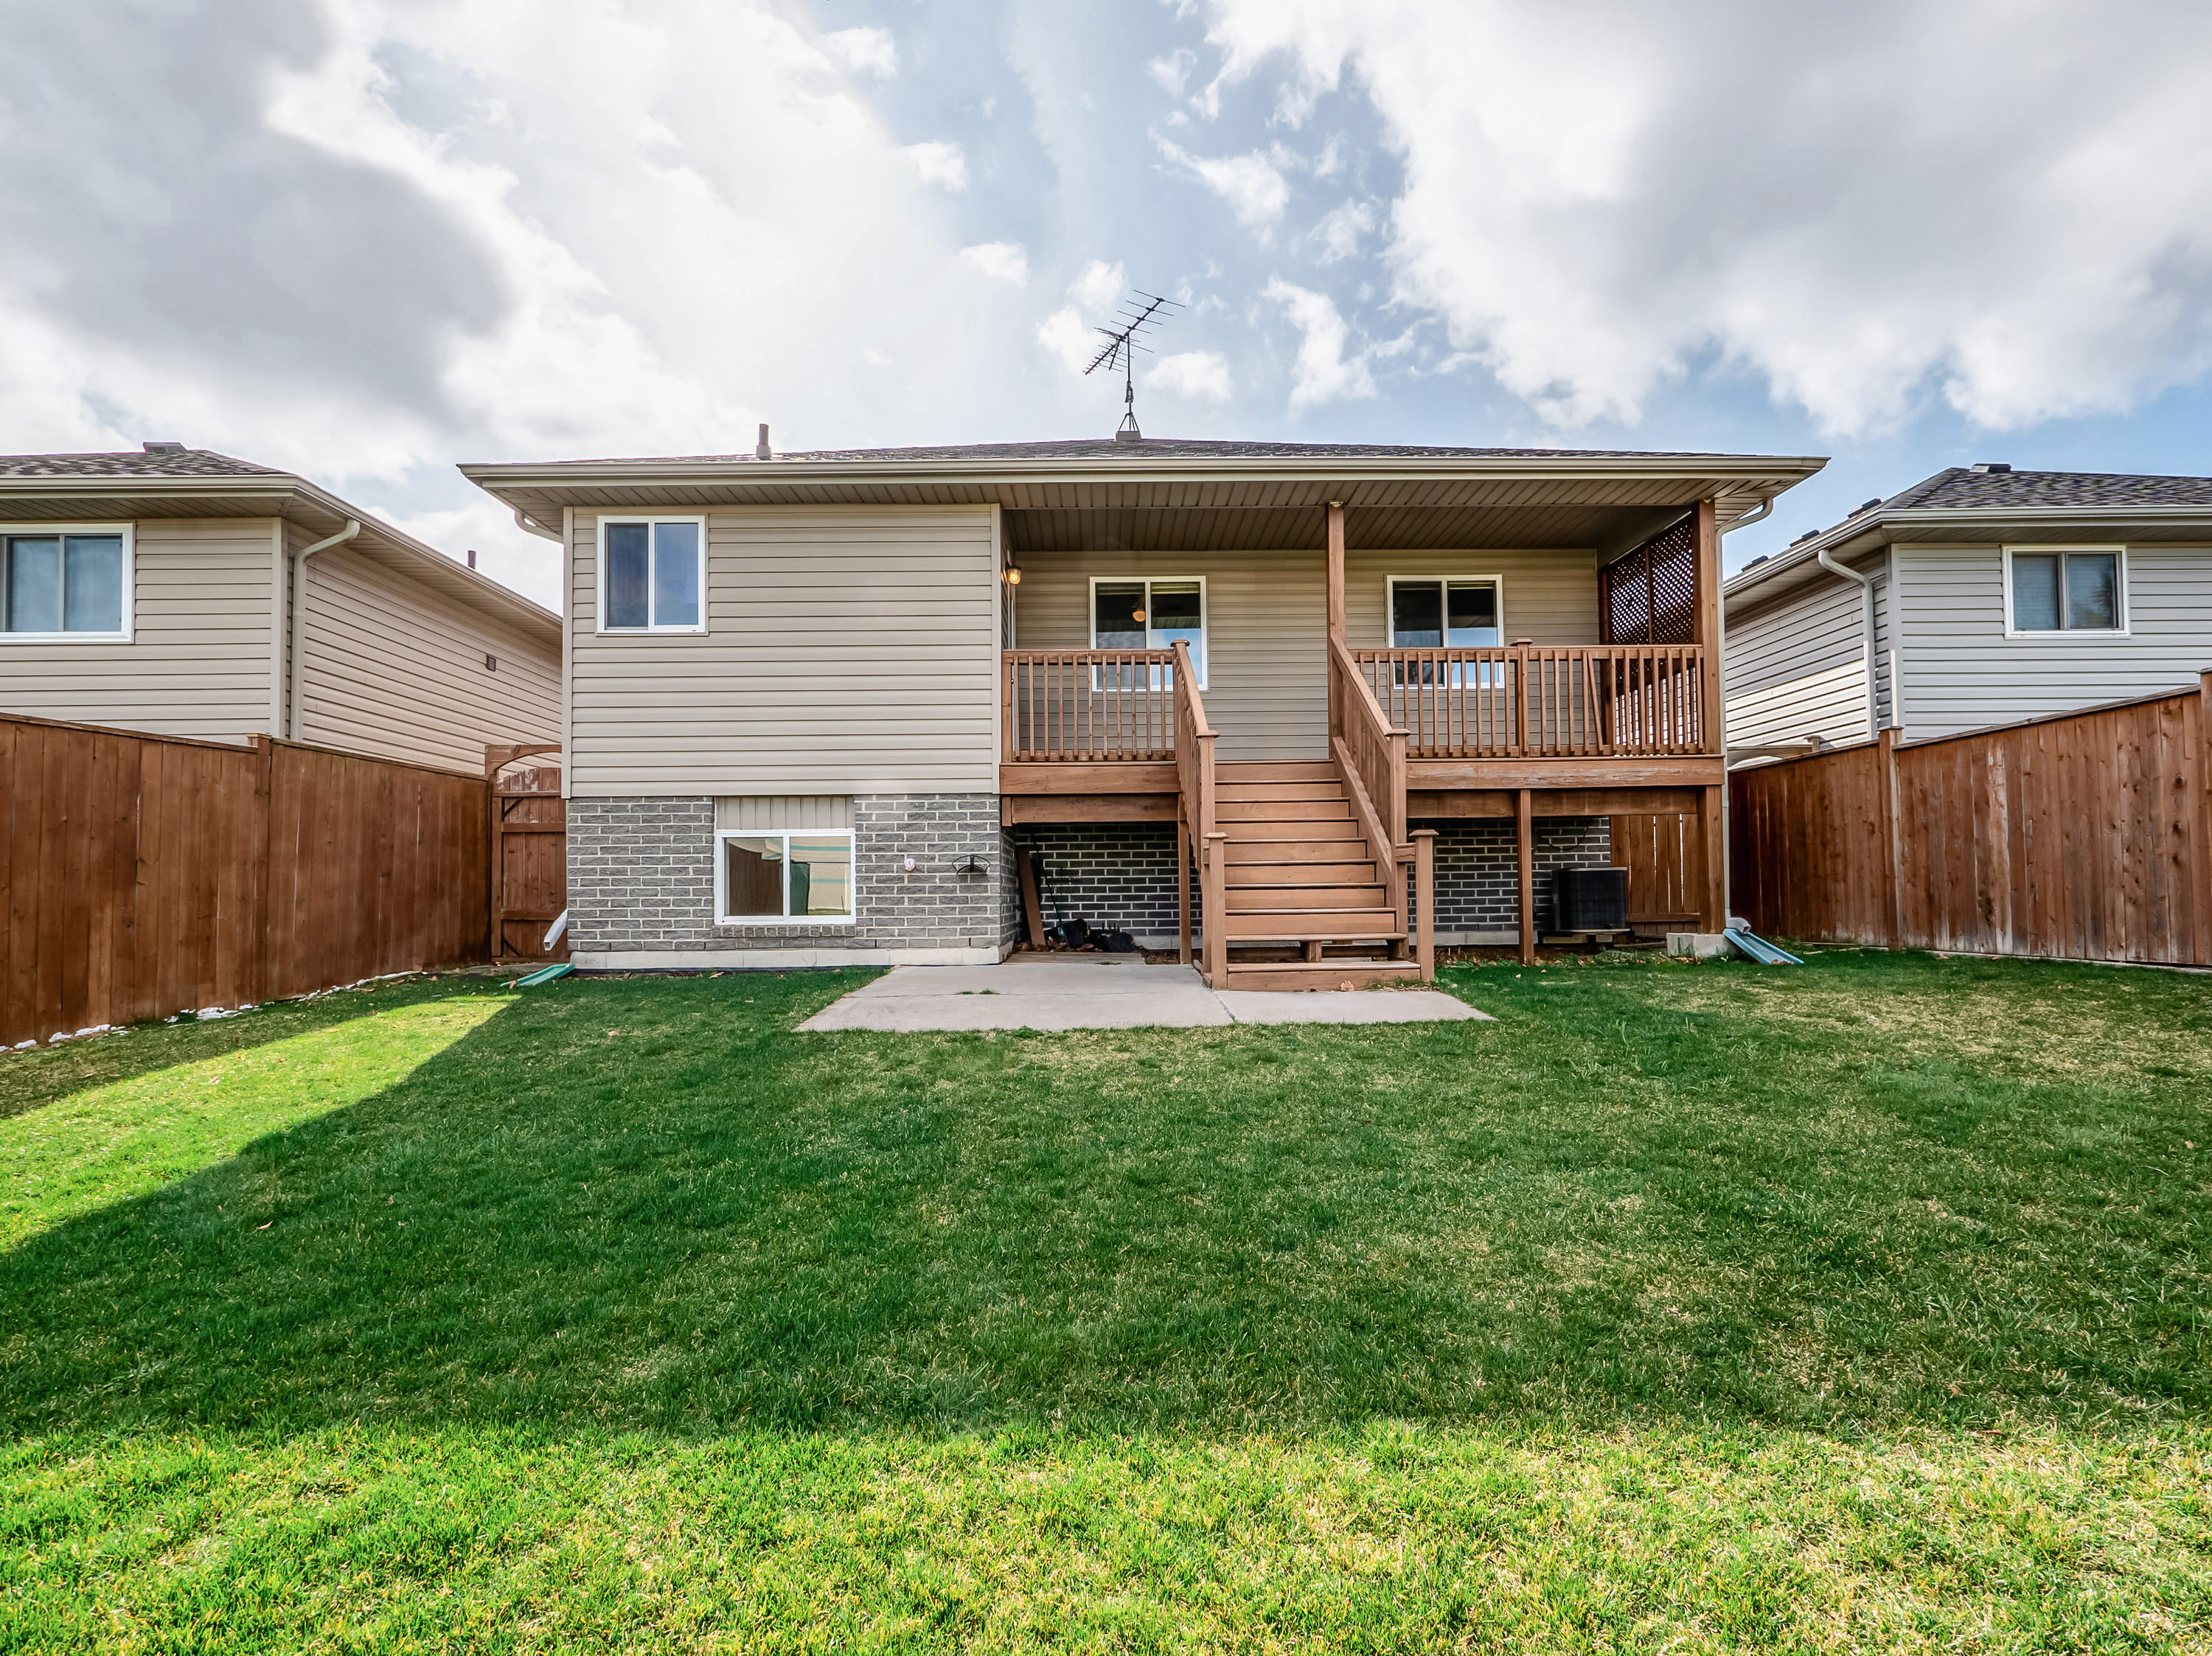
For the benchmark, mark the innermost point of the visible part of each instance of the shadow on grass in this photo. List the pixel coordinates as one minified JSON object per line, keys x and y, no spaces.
{"x":32,"y":1080}
{"x":650,"y":1204}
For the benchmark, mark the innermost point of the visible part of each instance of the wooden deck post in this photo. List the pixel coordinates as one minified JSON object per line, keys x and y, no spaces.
{"x":1525,"y":838}
{"x":1713,"y":725}
{"x":1712,"y":841}
{"x":1213,"y":878}
{"x":1183,"y":888}
{"x":1425,"y":873}
{"x":1335,"y":609}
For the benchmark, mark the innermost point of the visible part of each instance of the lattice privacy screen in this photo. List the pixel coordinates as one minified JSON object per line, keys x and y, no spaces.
{"x":1650,"y":596}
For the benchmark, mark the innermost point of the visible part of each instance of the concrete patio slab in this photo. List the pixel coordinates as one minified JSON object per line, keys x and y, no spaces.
{"x":1104,"y":992}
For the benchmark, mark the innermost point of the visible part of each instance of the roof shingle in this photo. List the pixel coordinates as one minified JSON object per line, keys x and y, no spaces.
{"x":130,"y":463}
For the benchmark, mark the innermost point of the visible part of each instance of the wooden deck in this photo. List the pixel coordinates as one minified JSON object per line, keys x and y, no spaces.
{"x":1627,"y":730}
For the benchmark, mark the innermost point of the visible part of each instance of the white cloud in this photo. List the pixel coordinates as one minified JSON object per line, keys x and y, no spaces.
{"x":936,"y":161}
{"x":1252,"y":185}
{"x":364,"y":240}
{"x":1066,"y":334}
{"x":1172,"y":73}
{"x":865,"y":51}
{"x":2012,"y":212}
{"x":530,"y":565}
{"x":1098,"y":287}
{"x":1002,"y":261}
{"x":1321,"y":373}
{"x":1335,"y":237}
{"x":1199,"y":375}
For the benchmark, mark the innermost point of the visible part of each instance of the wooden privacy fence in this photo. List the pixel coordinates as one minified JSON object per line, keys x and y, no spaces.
{"x":2085,"y":836}
{"x":143,"y":875}
{"x":529,"y":853}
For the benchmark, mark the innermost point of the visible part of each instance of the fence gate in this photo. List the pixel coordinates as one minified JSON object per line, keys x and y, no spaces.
{"x":529,"y":853}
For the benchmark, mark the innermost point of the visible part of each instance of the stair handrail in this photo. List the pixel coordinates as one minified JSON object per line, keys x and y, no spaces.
{"x":1193,"y":756}
{"x":1371,"y":755}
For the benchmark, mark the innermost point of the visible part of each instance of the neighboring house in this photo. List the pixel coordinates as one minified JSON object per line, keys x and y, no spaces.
{"x":185,"y":593}
{"x":1979,"y":596}
{"x":816,"y":702}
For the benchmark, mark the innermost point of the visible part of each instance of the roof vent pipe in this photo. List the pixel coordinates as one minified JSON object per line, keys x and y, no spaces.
{"x":761,"y":451}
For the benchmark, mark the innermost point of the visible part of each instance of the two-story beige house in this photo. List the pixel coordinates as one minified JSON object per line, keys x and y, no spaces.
{"x":1980,"y":596}
{"x":182,"y":593}
{"x":1310,"y":708}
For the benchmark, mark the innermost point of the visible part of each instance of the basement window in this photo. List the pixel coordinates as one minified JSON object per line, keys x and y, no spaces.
{"x":769,"y":879}
{"x":2074,"y":588}
{"x":652,"y":574}
{"x":65,"y":583}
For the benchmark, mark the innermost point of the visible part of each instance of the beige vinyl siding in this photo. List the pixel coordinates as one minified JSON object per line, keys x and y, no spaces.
{"x":390,"y":668}
{"x":1799,"y":668}
{"x":1266,"y":615}
{"x":783,"y":813}
{"x":849,"y":650}
{"x":199,"y":663}
{"x":1960,"y":671}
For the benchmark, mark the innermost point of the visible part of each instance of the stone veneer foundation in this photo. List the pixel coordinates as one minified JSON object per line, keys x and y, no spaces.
{"x":642,"y":887}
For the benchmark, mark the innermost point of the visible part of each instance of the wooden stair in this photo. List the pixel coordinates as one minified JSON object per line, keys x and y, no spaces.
{"x":1300,"y":876}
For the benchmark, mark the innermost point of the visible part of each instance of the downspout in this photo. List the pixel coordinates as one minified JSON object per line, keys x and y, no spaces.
{"x":530,"y":526}
{"x":299,"y":612}
{"x":1866,"y":633}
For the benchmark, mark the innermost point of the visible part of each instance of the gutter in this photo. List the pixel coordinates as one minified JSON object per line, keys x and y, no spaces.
{"x":1866,"y":632}
{"x":299,"y":613}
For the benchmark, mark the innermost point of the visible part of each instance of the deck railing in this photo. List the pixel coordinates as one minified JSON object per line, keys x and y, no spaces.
{"x":1369,"y":751}
{"x":1202,"y":838}
{"x":1541,"y":700}
{"x":1069,"y":706}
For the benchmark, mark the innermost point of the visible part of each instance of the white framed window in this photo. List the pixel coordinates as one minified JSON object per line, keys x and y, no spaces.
{"x":65,"y":583}
{"x":2065,"y":589}
{"x":802,"y":877}
{"x":1447,"y":612}
{"x":1149,"y":613}
{"x":653,"y":574}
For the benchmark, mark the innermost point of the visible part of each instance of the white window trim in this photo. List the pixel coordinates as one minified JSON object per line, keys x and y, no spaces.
{"x":2125,"y":629}
{"x":10,"y":530}
{"x":599,"y":556}
{"x":1390,"y":609}
{"x":722,"y":915}
{"x":1205,"y":613}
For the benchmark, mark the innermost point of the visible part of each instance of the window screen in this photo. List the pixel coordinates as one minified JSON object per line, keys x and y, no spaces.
{"x":653,"y":574}
{"x":794,"y":876}
{"x":1430,"y":614}
{"x":2066,"y":591}
{"x":63,"y":584}
{"x":1147,"y":614}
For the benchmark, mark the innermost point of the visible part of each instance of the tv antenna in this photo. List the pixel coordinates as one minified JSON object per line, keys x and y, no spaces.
{"x":1137,"y":314}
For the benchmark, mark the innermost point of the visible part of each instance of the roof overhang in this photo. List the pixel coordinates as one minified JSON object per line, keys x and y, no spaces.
{"x":270,"y":495}
{"x":1138,"y":502}
{"x":1858,"y":537}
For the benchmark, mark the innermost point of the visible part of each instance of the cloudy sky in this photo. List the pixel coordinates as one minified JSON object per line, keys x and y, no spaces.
{"x":367,"y":240}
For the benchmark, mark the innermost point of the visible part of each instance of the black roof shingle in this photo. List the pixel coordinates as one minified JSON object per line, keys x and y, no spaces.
{"x":1962,"y":489}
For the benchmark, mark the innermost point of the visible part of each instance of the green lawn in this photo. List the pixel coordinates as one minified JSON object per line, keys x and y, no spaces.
{"x":1863,"y":1306}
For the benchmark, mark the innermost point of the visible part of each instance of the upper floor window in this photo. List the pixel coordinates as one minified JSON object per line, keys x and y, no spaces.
{"x":1150,"y":615}
{"x":2066,"y":589}
{"x":65,"y":583}
{"x":652,"y":574}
